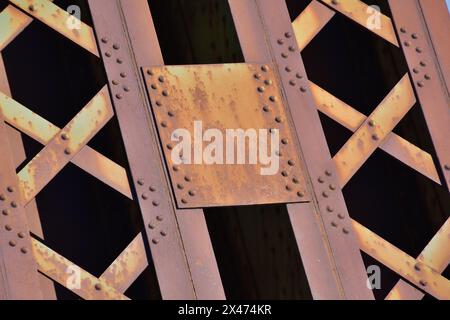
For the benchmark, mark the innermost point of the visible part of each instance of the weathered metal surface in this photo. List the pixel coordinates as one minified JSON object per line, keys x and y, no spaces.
{"x":57,"y":19}
{"x":329,"y":250}
{"x":425,"y":70}
{"x":191,"y":223}
{"x":65,"y":145}
{"x":18,"y":271}
{"x":309,"y":23}
{"x":418,"y":273}
{"x":71,"y":276}
{"x":404,"y":291}
{"x":162,"y":232}
{"x":393,"y":144}
{"x":364,"y":15}
{"x":44,"y":131}
{"x":12,"y":22}
{"x":224,"y":97}
{"x":128,"y":266}
{"x":436,"y":255}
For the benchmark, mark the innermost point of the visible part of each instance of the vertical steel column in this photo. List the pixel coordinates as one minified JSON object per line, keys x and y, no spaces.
{"x":427,"y":55}
{"x":323,"y":230}
{"x":127,"y":41}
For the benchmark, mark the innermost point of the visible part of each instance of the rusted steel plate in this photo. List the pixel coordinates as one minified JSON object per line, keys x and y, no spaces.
{"x":395,"y":145}
{"x":17,"y":265}
{"x":57,"y":19}
{"x":133,"y":113}
{"x":44,"y":131}
{"x":418,"y":273}
{"x":12,"y":22}
{"x":65,"y":145}
{"x":128,"y":266}
{"x":330,"y":253}
{"x":309,"y":23}
{"x":436,"y":255}
{"x":224,"y":98}
{"x":74,"y":278}
{"x":374,"y":130}
{"x":425,"y":72}
{"x":404,"y":291}
{"x":362,"y":14}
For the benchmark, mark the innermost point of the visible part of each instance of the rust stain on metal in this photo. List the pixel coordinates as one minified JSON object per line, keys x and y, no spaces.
{"x":374,"y":131}
{"x":65,"y":145}
{"x":12,"y":22}
{"x":364,"y":15}
{"x":229,"y":96}
{"x":57,"y":19}
{"x":64,"y":272}
{"x":395,"y":145}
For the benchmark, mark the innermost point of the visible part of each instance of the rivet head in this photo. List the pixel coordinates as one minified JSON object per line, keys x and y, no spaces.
{"x":291,"y":163}
{"x":334,"y":224}
{"x":65,"y":136}
{"x":32,"y":7}
{"x":163,"y":233}
{"x":8,"y":227}
{"x":423,"y":63}
{"x":169,"y":146}
{"x":98,"y":286}
{"x":280,"y":41}
{"x":284,"y":141}
{"x":288,"y":69}
{"x":159,"y":218}
{"x":155,"y":241}
{"x":152,"y":188}
{"x":330,"y":209}
{"x":261,"y":89}
{"x":161,"y":79}
{"x":123,"y":74}
{"x":115,"y":82}
{"x":151,"y":226}
{"x":345,"y":231}
{"x":325,"y":194}
{"x":292,"y":82}
{"x":126,"y":89}
{"x":158,"y":103}
{"x":300,"y":194}
{"x":176,"y":168}
{"x":144,"y":196}
{"x":291,"y":48}
{"x":268,"y":82}
{"x":119,"y":61}
{"x":192,"y":193}
{"x":105,"y":40}
{"x":10,"y":189}
{"x":303,"y":89}
{"x":447,"y":167}
{"x":423,"y":283}
{"x":265,"y":68}
{"x":257,"y":76}
{"x":407,"y":43}
{"x":108,"y":54}
{"x":155,"y":203}
{"x":67,"y":151}
{"x":12,"y":243}
{"x":427,"y":77}
{"x":419,"y":50}
{"x":332,"y":187}
{"x":150,"y":72}
{"x":278,"y":119}
{"x":165,"y":93}
{"x":335,"y":2}
{"x":403,"y":30}
{"x":21,"y":235}
{"x":140,"y":182}
{"x":187,"y":179}
{"x":14,"y":204}
{"x":295,"y":180}
{"x":288,"y":187}
{"x":328,"y":172}
{"x":320,"y":180}
{"x":184,"y":201}
{"x":284,"y":55}
{"x":119,"y":96}
{"x":116,"y":46}
{"x":24,"y":250}
{"x":375,"y":137}
{"x":371,"y":123}
{"x":284,"y":173}
{"x":273,"y":98}
{"x":163,"y":124}
{"x":420,"y":84}
{"x":417,"y":267}
{"x":299,"y":76}
{"x":414,"y":36}
{"x":288,"y":34}
{"x":341,"y":216}
{"x":2,"y":197}
{"x":180,"y":186}
{"x":6,"y":212}
{"x":415,"y":70}
{"x":266,"y":109}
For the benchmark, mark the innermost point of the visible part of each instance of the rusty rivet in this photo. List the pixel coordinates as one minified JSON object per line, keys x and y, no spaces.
{"x":295,"y":180}
{"x":24,"y":250}
{"x":115,"y":82}
{"x":417,"y":267}
{"x":140,"y":182}
{"x":375,"y":137}
{"x":407,"y":43}
{"x":6,"y":212}
{"x":288,"y":187}
{"x":192,"y":193}
{"x":144,"y":196}
{"x":155,"y":241}
{"x":415,"y":70}
{"x":21,"y":235}
{"x":288,"y":69}
{"x":288,"y":34}
{"x":65,"y":136}
{"x":10,"y":189}
{"x":325,"y":194}
{"x":98,"y":286}
{"x":119,"y":96}
{"x":158,"y":103}
{"x":320,"y":180}
{"x":176,"y":168}
{"x":273,"y":98}
{"x":447,"y":167}
{"x":165,"y":93}
{"x":423,"y":283}
{"x":67,"y":151}
{"x":427,"y":77}
{"x":169,"y":146}
{"x":303,"y":89}
{"x":291,"y":48}
{"x":341,"y":216}
{"x":150,"y":72}
{"x":123,"y":74}
{"x":292,"y":82}
{"x":257,"y":76}
{"x":345,"y":231}
{"x":278,"y":119}
{"x":332,"y":187}
{"x":119,"y":60}
{"x":187,"y":179}
{"x":161,"y":79}
{"x":184,"y":201}
{"x":126,"y":89}
{"x":402,"y":30}
{"x":266,"y":109}
{"x":414,"y":36}
{"x":284,"y":173}
{"x":300,"y":194}
{"x":105,"y":40}
{"x":268,"y":82}
{"x":163,"y":233}
{"x":261,"y":89}
{"x":280,"y":41}
{"x":163,"y":124}
{"x":116,"y":46}
{"x":299,"y":76}
{"x":334,"y":224}
{"x":335,"y":2}
{"x":2,"y":197}
{"x":180,"y":186}
{"x":151,"y":226}
{"x":8,"y":227}
{"x":155,"y":203}
{"x":330,"y":209}
{"x":284,"y":141}
{"x":291,"y":163}
{"x":152,"y":188}
{"x":12,"y":243}
{"x":32,"y":7}
{"x":284,"y":55}
{"x":423,"y":63}
{"x":420,"y":84}
{"x":14,"y":204}
{"x":159,"y":218}
{"x":419,"y":50}
{"x":265,"y":68}
{"x":108,"y":54}
{"x":371,"y":123}
{"x":328,"y":172}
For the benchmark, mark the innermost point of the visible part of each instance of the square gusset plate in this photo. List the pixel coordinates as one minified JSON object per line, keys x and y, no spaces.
{"x":225,"y":135}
